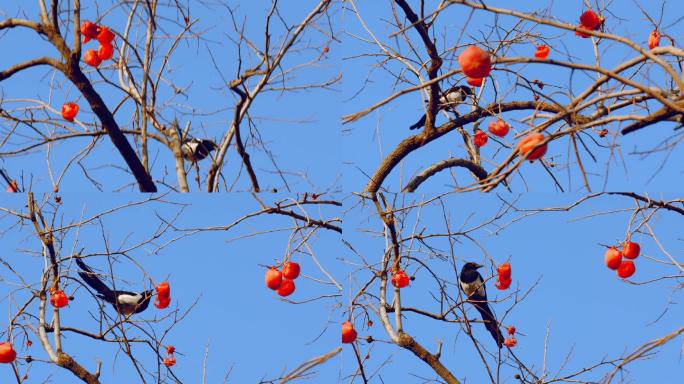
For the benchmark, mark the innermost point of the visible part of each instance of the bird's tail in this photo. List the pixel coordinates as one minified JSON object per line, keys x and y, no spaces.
{"x":94,"y":282}
{"x":419,"y":123}
{"x":490,"y":322}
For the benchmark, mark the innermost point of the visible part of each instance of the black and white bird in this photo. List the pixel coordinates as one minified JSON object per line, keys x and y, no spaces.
{"x":473,"y":286}
{"x":197,"y":149}
{"x":126,"y":303}
{"x":448,"y":101}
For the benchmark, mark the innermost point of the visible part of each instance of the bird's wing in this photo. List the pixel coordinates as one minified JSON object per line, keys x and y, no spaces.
{"x":94,"y":282}
{"x":489,"y":321}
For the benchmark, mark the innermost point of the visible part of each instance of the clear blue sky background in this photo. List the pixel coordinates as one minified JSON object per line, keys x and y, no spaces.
{"x":248,"y":327}
{"x":589,"y":311}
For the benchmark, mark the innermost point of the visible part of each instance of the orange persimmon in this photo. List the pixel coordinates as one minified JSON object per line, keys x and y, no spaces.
{"x":475,"y":62}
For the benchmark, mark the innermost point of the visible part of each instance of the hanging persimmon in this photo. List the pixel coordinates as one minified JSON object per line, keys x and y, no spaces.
{"x":590,"y":20}
{"x":503,"y":283}
{"x":89,"y":31}
{"x":400,"y":279}
{"x":7,"y":353}
{"x":654,"y":39}
{"x":528,"y":146}
{"x":475,"y":81}
{"x":105,"y":51}
{"x":58,"y":299}
{"x":480,"y":138}
{"x":163,"y":289}
{"x":504,"y":270}
{"x":475,"y":62}
{"x":273,"y":278}
{"x":542,"y":52}
{"x":91,"y":58}
{"x":286,"y":287}
{"x":499,"y":128}
{"x":631,"y":250}
{"x":69,"y":111}
{"x":105,"y":36}
{"x":162,"y":302}
{"x":348,"y":333}
{"x":169,"y":361}
{"x":612,"y":258}
{"x":291,"y":270}
{"x":511,"y":342}
{"x":626,"y":269}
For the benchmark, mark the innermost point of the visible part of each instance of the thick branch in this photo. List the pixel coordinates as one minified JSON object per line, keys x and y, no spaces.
{"x":412,"y":345}
{"x":477,"y":170}
{"x":657,"y":116}
{"x":12,"y":23}
{"x":66,"y":361}
{"x":28,"y":64}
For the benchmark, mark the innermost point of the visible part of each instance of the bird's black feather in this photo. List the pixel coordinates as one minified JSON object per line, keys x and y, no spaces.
{"x":94,"y":282}
{"x":489,"y":321}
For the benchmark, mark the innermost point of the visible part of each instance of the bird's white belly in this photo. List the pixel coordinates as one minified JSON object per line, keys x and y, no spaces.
{"x":476,"y":285}
{"x":451,"y":98}
{"x":128,"y":299}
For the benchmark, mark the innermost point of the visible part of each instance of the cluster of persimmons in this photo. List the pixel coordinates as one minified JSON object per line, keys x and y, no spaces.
{"x":621,"y":260}
{"x":283,"y":281}
{"x":94,"y":58}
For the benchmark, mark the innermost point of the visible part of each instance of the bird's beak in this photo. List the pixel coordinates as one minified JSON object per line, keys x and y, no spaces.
{"x":478,"y":266}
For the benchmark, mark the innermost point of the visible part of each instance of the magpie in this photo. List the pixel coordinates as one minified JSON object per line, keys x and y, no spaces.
{"x":449,"y":100}
{"x":126,"y":303}
{"x":473,"y":286}
{"x":197,"y":149}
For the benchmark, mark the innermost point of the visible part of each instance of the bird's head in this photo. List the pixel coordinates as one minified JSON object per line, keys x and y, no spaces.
{"x":471,"y":265}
